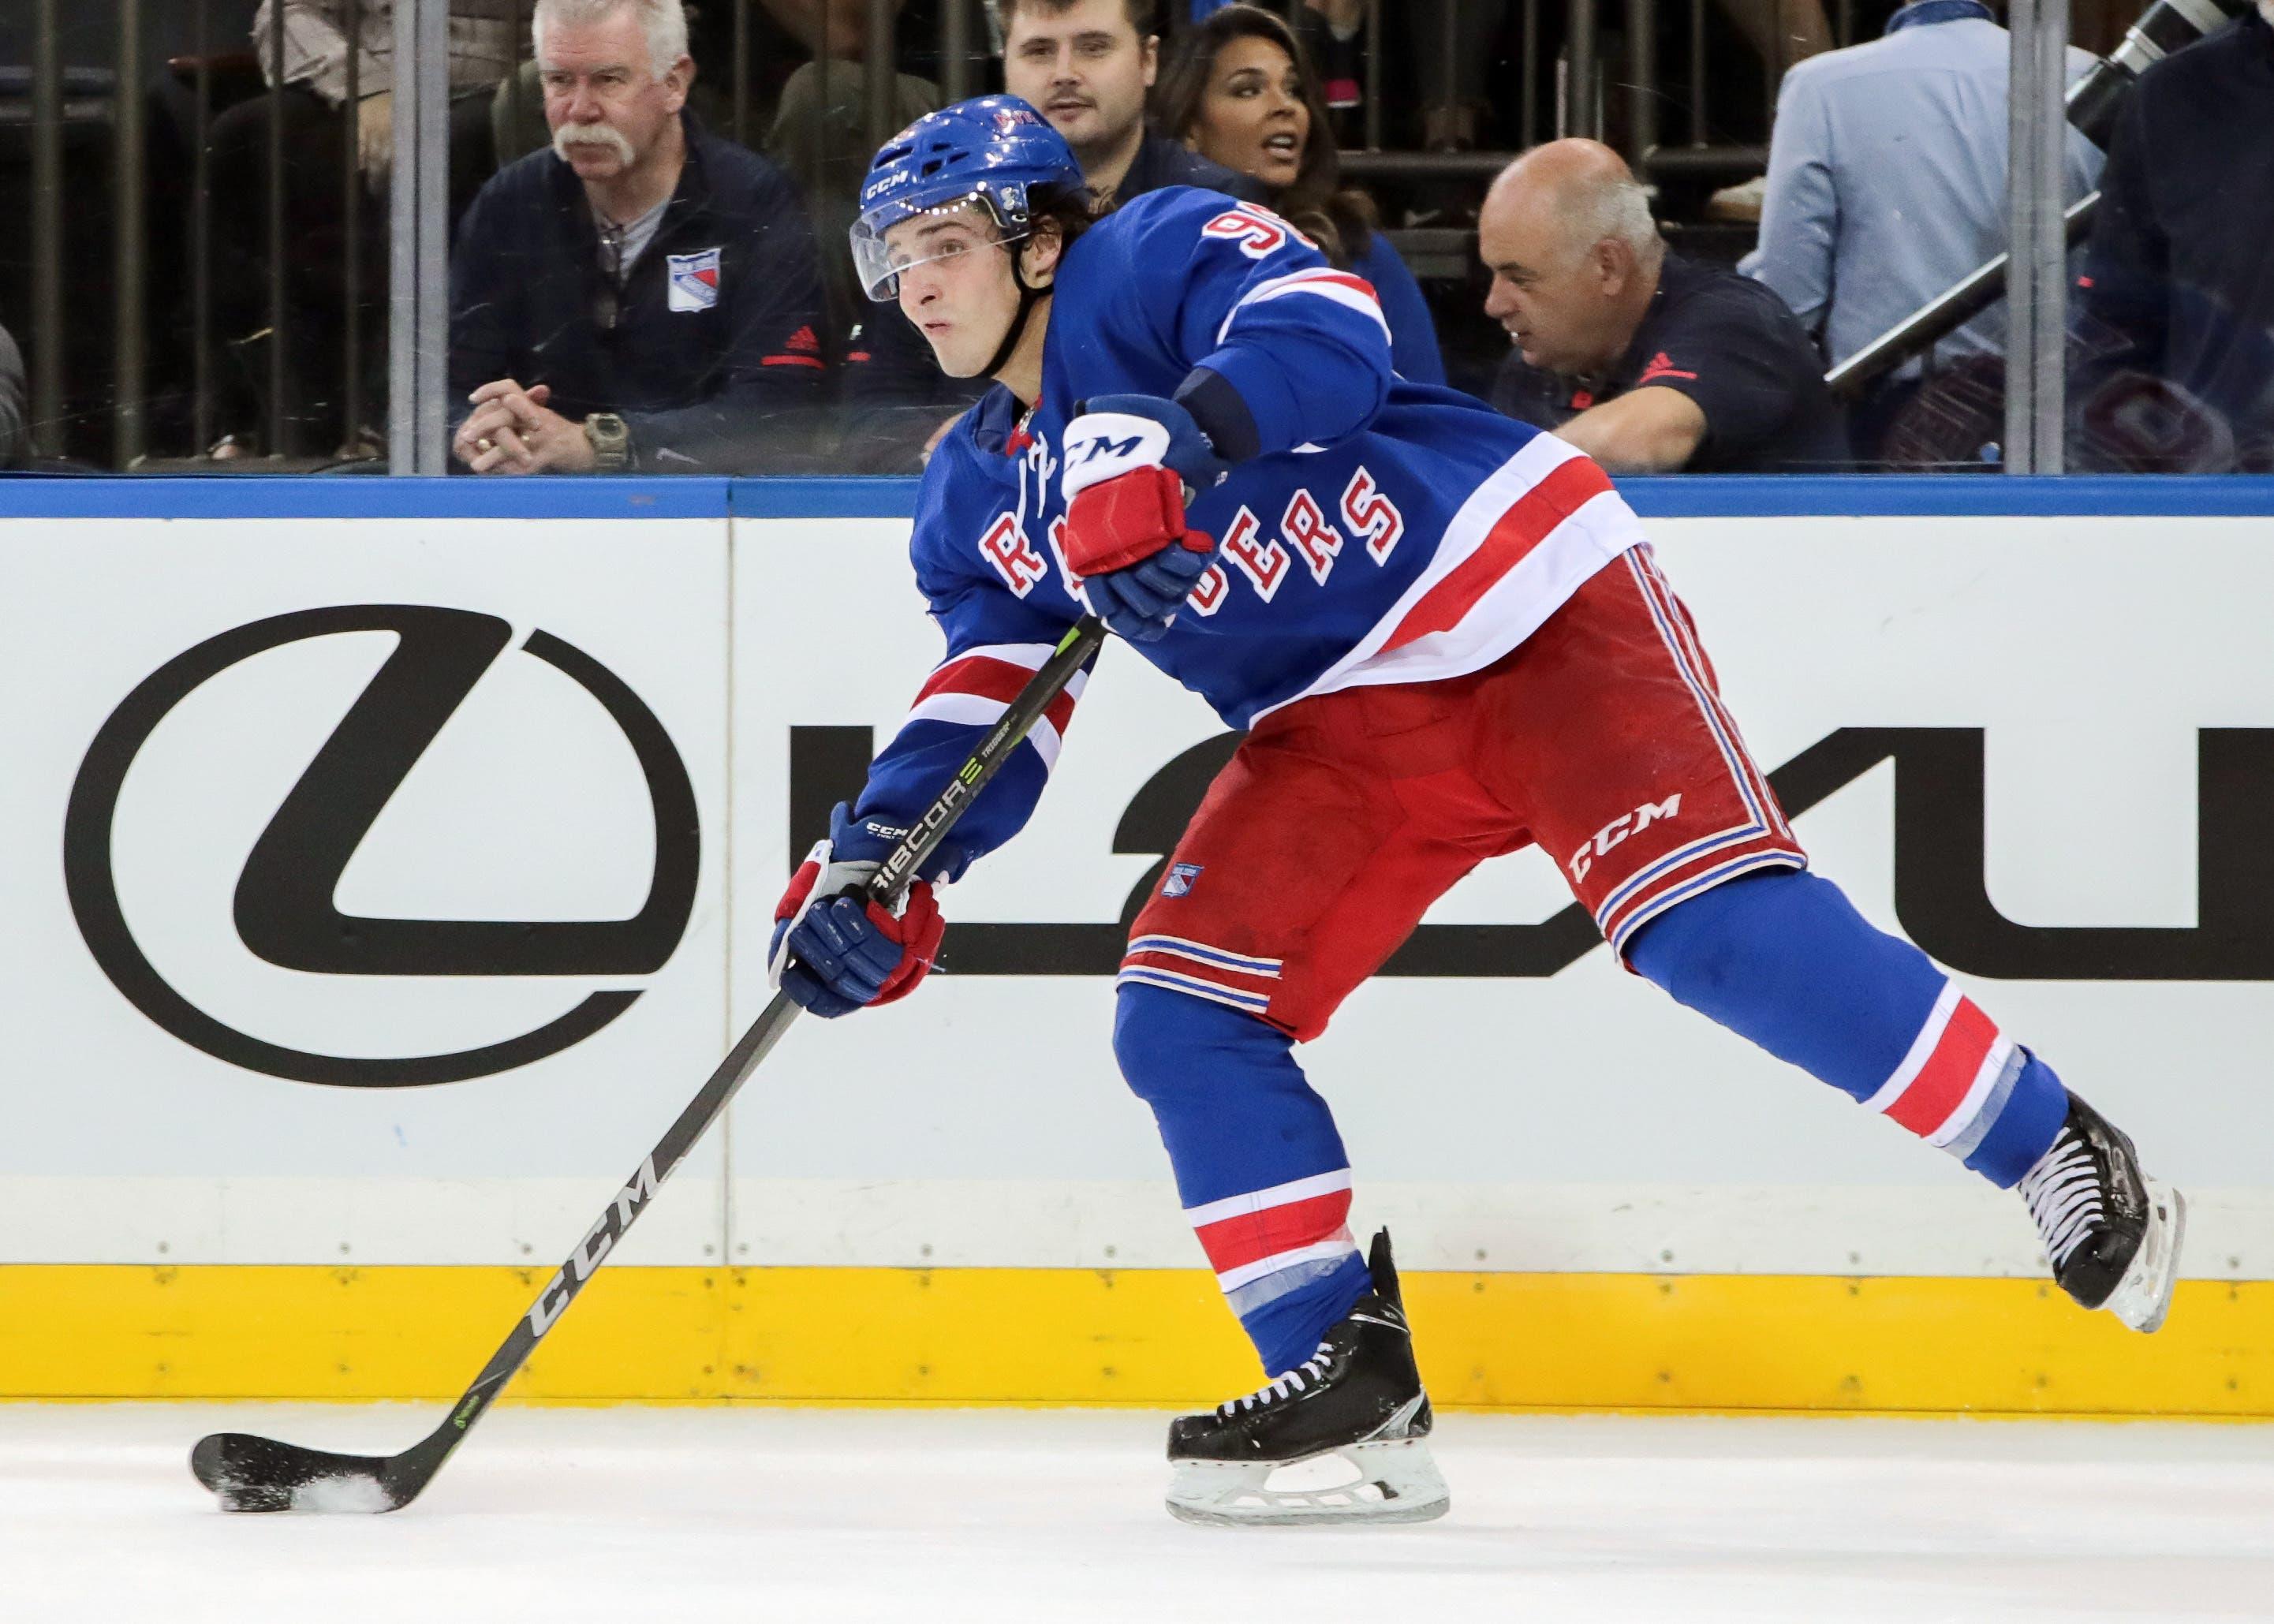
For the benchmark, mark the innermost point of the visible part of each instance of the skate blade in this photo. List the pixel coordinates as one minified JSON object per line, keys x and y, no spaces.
{"x":1394,"y":1482}
{"x":2143,"y":1297}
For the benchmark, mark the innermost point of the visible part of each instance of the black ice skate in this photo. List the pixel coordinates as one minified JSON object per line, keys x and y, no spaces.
{"x":1346,"y":1431}
{"x":2111,"y":1233}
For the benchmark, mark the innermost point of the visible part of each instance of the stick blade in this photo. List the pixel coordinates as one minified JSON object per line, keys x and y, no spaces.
{"x":248,"y":1473}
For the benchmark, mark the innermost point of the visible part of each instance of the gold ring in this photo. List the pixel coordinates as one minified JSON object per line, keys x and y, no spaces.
{"x":484,"y":445}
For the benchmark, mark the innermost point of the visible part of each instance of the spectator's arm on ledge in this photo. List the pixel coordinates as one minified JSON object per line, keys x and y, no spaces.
{"x":1648,"y":431}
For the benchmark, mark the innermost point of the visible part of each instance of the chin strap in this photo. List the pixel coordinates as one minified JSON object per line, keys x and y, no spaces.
{"x":1028,"y":298}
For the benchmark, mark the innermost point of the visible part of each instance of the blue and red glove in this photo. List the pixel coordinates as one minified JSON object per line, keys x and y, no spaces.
{"x":1131,"y":464}
{"x":835,"y":952}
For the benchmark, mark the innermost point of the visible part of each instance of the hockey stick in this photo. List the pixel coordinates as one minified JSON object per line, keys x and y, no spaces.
{"x":251,"y":1473}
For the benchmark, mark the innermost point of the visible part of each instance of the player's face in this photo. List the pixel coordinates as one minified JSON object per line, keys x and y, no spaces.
{"x":1085,"y":69}
{"x":604,"y":104}
{"x":1252,"y":117}
{"x":1549,"y":297}
{"x":957,"y":287}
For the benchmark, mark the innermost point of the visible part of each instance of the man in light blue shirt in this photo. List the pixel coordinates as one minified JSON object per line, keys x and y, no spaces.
{"x":1887,"y":178}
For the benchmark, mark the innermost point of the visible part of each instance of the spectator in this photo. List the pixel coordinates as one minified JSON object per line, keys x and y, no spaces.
{"x":643,"y":295}
{"x":15,"y":419}
{"x":310,"y":101}
{"x":2178,"y":284}
{"x":1646,"y":361}
{"x":1240,"y":91}
{"x":1086,"y":65}
{"x":820,"y":136}
{"x":1887,"y":185}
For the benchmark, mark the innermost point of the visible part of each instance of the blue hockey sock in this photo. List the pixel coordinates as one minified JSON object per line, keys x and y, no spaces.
{"x":1784,"y":959}
{"x":1260,"y":1167}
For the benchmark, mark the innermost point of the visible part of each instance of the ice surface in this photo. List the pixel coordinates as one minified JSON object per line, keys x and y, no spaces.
{"x":919,"y":1517}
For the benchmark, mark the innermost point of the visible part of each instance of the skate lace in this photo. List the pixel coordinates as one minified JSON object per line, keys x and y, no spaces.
{"x":2063,"y":1191}
{"x":1285,"y":1385}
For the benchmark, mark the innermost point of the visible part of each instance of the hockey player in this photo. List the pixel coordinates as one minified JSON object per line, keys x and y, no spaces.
{"x":1446,"y":639}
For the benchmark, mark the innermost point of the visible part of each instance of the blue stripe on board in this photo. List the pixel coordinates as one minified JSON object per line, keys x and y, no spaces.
{"x":255,"y":496}
{"x":848,"y":497}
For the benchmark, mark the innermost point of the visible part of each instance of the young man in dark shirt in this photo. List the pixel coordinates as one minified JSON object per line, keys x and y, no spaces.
{"x":2178,"y":281}
{"x":1648,"y":362}
{"x":1086,"y":66}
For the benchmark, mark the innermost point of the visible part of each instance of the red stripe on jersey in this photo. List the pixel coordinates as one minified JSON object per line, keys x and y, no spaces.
{"x":812,"y":361}
{"x":1249,"y":1238}
{"x":1942,"y":1082}
{"x":1523,"y":527}
{"x":978,"y":673}
{"x":1343,"y":278}
{"x":988,"y":678}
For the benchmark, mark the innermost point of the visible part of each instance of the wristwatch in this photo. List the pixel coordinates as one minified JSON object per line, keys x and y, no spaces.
{"x":611,"y":442}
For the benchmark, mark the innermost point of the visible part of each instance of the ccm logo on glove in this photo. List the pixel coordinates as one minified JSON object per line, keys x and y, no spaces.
{"x":1124,"y":504}
{"x":1132,"y":463}
{"x":835,"y":949}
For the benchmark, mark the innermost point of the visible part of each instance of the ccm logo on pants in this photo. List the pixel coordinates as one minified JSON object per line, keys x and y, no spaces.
{"x":1617,"y":829}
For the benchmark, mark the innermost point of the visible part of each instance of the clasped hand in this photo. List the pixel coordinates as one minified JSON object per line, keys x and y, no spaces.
{"x":512,"y":430}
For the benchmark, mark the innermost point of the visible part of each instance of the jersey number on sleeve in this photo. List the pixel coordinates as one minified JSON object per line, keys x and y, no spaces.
{"x":1258,"y":231}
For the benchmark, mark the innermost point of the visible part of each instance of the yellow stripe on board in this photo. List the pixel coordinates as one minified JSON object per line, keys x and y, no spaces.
{"x":1151,"y":1337}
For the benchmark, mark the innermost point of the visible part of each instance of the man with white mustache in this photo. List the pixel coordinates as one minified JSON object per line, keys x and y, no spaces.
{"x":643,"y":295}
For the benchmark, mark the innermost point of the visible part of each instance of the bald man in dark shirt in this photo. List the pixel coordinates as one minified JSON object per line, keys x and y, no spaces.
{"x":1648,"y":362}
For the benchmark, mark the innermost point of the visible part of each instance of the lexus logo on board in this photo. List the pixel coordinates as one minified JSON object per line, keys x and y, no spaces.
{"x":284,"y":907}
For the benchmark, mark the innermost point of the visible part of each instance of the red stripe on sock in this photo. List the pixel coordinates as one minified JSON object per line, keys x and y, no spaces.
{"x":1949,"y":1071}
{"x":1231,"y":1243}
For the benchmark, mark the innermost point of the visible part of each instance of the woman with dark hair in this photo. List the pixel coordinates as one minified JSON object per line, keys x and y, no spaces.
{"x":1239,"y":90}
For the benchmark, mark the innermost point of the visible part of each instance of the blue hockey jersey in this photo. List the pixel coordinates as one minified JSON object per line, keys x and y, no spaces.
{"x":1386,"y":532}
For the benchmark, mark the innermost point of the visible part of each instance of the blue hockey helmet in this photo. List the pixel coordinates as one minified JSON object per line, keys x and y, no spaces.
{"x":996,"y":151}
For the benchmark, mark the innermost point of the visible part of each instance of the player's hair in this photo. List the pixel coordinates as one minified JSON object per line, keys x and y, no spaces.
{"x":664,"y":22}
{"x":1071,"y":211}
{"x":1144,"y":15}
{"x":1343,"y":222}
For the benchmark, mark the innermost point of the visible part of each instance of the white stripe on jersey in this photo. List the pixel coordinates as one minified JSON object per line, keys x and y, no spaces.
{"x":978,"y":710}
{"x":1513,"y":607}
{"x":1327,"y":283}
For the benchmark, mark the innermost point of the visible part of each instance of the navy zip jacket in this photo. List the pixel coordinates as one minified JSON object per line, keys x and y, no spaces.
{"x":708,"y":349}
{"x":2179,"y":281}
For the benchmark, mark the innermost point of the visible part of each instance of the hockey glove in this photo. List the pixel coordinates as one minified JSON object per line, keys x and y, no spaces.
{"x":1131,"y":464}
{"x":835,"y":950}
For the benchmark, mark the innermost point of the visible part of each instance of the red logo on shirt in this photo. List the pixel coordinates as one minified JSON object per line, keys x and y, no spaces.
{"x":803,"y":339}
{"x":1661,"y":367}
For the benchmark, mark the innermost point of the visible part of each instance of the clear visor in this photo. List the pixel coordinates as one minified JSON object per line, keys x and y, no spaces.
{"x":930,"y":238}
